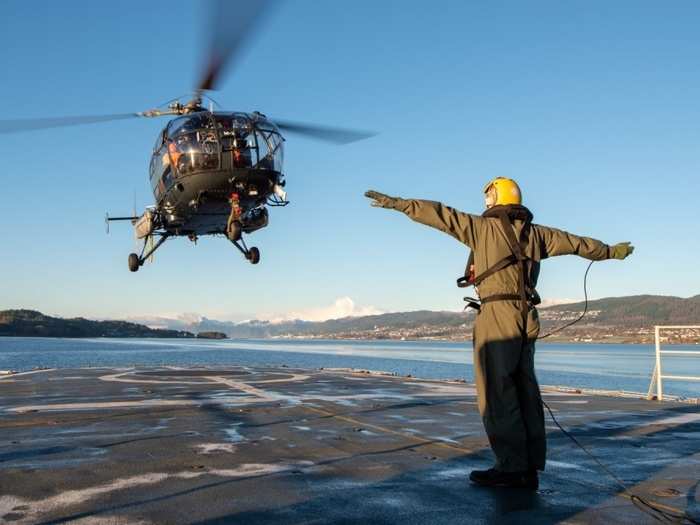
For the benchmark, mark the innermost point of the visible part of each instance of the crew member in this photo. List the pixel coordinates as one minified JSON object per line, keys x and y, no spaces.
{"x":505,"y":261}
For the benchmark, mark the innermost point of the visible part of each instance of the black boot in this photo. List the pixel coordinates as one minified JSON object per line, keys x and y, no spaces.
{"x":527,"y":479}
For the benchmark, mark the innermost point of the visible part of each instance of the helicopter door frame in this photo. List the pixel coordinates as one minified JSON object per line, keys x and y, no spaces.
{"x":255,"y":130}
{"x":158,"y":168}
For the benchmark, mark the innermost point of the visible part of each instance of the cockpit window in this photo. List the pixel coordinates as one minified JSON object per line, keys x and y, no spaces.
{"x":204,"y":140}
{"x":233,"y":124}
{"x":159,"y":140}
{"x":270,"y":150}
{"x":237,"y":137}
{"x":193,"y":144}
{"x":192,"y":122}
{"x":250,"y":140}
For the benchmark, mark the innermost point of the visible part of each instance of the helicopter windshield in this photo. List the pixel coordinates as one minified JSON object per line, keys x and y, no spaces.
{"x":251,"y":140}
{"x":193,"y":144}
{"x":211,"y":141}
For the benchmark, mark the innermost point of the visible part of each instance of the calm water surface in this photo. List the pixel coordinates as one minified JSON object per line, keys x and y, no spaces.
{"x":610,"y":367}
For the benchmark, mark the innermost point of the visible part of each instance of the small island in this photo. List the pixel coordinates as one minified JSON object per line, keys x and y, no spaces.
{"x":211,"y":335}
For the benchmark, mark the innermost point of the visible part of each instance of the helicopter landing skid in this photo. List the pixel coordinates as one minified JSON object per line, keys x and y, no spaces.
{"x":136,"y":261}
{"x":252,"y":253}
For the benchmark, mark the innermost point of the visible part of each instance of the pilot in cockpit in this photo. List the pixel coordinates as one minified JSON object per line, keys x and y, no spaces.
{"x":174,"y":153}
{"x":242,"y":154}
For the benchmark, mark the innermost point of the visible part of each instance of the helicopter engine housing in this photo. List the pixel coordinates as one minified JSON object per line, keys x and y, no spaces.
{"x":145,"y":225}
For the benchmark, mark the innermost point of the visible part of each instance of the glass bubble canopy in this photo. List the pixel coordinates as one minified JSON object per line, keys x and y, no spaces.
{"x":204,"y":140}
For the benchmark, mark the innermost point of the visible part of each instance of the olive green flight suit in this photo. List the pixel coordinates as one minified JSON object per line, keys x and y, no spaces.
{"x":508,"y":393}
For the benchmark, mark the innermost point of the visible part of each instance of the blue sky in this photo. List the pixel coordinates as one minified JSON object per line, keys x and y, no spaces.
{"x":591,"y":106}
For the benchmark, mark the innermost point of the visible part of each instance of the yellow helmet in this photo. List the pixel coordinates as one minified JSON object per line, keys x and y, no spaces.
{"x":507,"y":192}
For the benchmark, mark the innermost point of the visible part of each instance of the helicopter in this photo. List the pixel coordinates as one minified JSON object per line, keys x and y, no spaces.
{"x":212,"y":172}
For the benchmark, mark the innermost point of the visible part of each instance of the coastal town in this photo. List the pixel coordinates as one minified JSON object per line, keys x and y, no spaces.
{"x":551,"y":323}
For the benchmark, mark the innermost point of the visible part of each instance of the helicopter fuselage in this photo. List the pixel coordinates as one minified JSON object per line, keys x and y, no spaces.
{"x":207,"y":165}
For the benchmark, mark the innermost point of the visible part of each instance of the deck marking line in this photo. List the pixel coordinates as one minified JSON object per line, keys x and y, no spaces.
{"x":292,"y":377}
{"x":244,"y":387}
{"x":119,"y":378}
{"x":18,"y":374}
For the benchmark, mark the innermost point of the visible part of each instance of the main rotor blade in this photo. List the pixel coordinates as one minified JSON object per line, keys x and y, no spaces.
{"x":17,"y":126}
{"x":325,"y":133}
{"x":232,"y":25}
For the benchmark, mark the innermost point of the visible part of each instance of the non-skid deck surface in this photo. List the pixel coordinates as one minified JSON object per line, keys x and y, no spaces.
{"x":279,"y":445}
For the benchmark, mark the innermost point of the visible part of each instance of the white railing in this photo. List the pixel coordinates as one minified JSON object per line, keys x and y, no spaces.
{"x":657,"y":376}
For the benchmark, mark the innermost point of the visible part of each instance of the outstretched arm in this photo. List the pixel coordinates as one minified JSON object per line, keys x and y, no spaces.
{"x":461,"y":226}
{"x":557,"y":242}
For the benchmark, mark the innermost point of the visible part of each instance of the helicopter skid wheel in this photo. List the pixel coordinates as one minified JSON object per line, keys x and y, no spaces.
{"x":253,"y":255}
{"x":134,"y":262}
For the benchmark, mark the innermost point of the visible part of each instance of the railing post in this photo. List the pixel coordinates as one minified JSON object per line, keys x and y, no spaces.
{"x":659,"y":387}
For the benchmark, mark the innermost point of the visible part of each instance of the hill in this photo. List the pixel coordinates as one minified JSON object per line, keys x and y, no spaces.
{"x":413,"y":325}
{"x":614,"y":319}
{"x":30,"y":323}
{"x":633,"y":311}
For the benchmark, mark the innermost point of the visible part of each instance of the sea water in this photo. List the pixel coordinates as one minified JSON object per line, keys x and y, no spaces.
{"x":599,"y":366}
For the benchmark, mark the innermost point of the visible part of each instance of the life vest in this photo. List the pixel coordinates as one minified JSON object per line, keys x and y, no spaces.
{"x":527,"y":295}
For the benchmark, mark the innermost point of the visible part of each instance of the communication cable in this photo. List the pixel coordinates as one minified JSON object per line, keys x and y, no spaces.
{"x":585,"y":305}
{"x":658,"y":511}
{"x":663,"y":513}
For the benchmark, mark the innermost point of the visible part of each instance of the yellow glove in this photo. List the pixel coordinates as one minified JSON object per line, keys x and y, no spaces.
{"x":621,"y":250}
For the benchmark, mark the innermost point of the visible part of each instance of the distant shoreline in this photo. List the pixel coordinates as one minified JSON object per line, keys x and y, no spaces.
{"x":628,"y":320}
{"x":466,"y":341}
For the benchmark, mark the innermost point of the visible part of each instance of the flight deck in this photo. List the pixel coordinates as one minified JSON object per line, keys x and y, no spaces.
{"x":279,"y":445}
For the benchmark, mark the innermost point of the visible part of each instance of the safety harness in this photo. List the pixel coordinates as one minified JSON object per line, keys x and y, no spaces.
{"x":527,"y":295}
